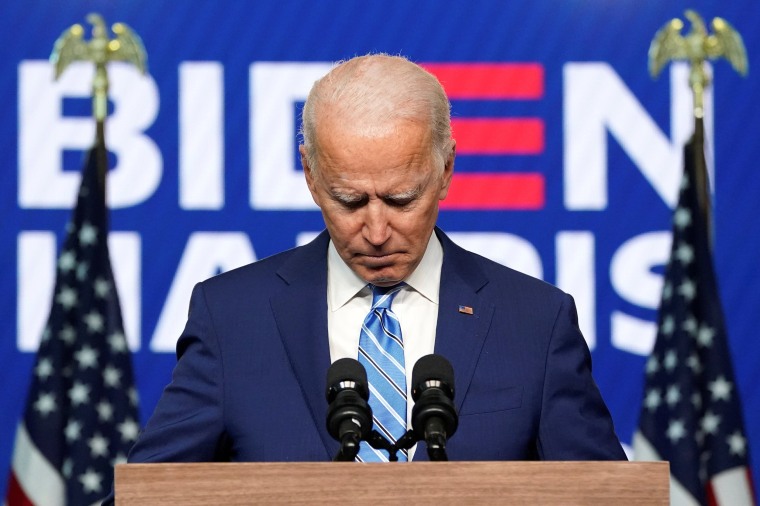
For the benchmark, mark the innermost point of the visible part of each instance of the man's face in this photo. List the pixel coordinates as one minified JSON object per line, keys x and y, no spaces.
{"x":379,"y":195}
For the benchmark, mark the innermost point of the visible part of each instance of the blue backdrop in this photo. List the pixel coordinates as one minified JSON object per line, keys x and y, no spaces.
{"x":568,"y":166}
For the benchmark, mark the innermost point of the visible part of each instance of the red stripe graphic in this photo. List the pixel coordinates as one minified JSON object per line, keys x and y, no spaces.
{"x":495,"y":136}
{"x":509,"y":81}
{"x":489,"y":136}
{"x":496,"y":191}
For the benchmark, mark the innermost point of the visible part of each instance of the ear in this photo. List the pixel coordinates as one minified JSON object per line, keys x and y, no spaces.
{"x":309,"y":174}
{"x":448,"y":171}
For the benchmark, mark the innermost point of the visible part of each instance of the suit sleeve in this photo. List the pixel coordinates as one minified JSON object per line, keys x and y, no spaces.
{"x":575,"y":422}
{"x":187,"y":424}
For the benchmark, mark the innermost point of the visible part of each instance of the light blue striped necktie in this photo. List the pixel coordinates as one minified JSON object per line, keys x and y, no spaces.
{"x":381,"y":352}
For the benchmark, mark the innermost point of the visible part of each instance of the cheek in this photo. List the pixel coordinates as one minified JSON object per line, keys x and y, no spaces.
{"x":343,"y":227}
{"x":414,"y":226}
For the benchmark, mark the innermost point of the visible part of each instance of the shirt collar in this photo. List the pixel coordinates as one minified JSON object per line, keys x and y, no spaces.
{"x":343,"y":284}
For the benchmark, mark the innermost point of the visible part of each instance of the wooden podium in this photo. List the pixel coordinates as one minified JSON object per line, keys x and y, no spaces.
{"x":434,"y":483}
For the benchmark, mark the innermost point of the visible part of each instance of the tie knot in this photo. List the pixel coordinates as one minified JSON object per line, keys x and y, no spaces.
{"x":382,"y":296}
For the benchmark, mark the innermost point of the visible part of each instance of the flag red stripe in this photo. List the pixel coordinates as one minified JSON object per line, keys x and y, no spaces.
{"x":496,"y":191}
{"x":15,"y":495}
{"x":498,"y":136}
{"x":710,"y":492}
{"x":516,"y":81}
{"x":751,"y":482}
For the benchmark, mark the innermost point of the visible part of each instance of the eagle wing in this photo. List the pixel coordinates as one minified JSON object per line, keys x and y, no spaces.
{"x":127,"y":46}
{"x":668,"y":44}
{"x":68,"y":48}
{"x":727,"y":42}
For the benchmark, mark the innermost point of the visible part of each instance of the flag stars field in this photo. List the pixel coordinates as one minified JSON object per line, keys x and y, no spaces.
{"x":694,"y":364}
{"x":79,"y":393}
{"x":67,"y":261}
{"x":705,"y":336}
{"x":98,"y":446}
{"x":88,"y":234}
{"x":91,"y":481}
{"x":117,"y":342}
{"x":737,"y":444}
{"x":671,"y":361}
{"x":67,"y":334}
{"x":682,"y":217}
{"x":652,"y":365}
{"x":687,"y":289}
{"x":710,"y":422}
{"x":105,"y":411}
{"x":45,"y":404}
{"x":129,"y":430}
{"x":87,"y":357}
{"x":676,"y":431}
{"x":67,"y":298}
{"x":112,"y":376}
{"x":102,"y":287}
{"x":720,"y":389}
{"x":653,"y":400}
{"x":44,"y":369}
{"x":690,"y":325}
{"x":73,"y":430}
{"x":673,"y":396}
{"x":685,"y":253}
{"x":696,"y":400}
{"x":94,"y":322}
{"x":82,"y":270}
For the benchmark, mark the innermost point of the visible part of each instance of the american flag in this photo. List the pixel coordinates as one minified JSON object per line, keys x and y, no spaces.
{"x":691,"y":413}
{"x":81,"y":411}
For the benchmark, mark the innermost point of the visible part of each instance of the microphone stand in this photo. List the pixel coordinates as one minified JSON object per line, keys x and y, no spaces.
{"x":436,"y":445}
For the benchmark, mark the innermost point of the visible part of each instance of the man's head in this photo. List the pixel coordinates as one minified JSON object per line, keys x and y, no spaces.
{"x":378,"y":156}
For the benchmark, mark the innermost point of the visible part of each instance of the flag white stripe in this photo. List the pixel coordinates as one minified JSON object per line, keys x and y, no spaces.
{"x":40,"y":481}
{"x":643,"y":450}
{"x":732,"y":487}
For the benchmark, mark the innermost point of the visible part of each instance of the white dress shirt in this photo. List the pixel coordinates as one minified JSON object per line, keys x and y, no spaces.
{"x":349,"y":300}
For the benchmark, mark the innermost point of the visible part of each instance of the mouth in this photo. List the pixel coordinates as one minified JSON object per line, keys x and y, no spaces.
{"x":377,"y":261}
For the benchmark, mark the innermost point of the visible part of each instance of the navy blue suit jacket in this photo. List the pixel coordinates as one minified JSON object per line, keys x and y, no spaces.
{"x":250,"y":378}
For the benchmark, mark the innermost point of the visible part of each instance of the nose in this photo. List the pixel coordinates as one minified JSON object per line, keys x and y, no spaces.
{"x":377,"y":228}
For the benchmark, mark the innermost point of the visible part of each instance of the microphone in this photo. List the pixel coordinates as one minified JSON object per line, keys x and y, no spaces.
{"x":349,"y":417}
{"x":434,"y":417}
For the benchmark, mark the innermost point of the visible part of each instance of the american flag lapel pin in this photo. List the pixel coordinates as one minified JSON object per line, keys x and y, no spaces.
{"x":466,"y":310}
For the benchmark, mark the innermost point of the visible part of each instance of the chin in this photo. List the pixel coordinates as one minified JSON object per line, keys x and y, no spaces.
{"x":379,"y":277}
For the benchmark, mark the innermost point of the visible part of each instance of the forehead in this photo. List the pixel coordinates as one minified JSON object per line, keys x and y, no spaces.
{"x":395,"y":151}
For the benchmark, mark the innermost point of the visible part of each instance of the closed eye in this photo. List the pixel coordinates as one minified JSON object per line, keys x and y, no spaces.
{"x":403,"y":199}
{"x":399,"y":201}
{"x":351,"y":201}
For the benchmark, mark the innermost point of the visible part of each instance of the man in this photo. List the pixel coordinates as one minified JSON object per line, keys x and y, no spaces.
{"x":378,"y":157}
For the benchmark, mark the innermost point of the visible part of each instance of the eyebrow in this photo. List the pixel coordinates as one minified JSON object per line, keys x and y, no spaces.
{"x":348,"y":198}
{"x":353,"y":199}
{"x":410,"y":194}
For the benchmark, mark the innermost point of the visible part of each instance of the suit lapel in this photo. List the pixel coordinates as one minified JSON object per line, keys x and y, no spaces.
{"x":300,"y":310}
{"x":460,"y":335}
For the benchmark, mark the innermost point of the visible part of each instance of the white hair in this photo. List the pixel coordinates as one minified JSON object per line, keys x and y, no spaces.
{"x":374,"y":91}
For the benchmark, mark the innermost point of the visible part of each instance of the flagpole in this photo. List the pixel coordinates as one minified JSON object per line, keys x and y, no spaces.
{"x":100,"y":50}
{"x":696,"y":47}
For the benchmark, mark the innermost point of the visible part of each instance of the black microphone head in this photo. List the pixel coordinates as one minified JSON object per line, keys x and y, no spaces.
{"x":432,"y":371}
{"x":346,"y":373}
